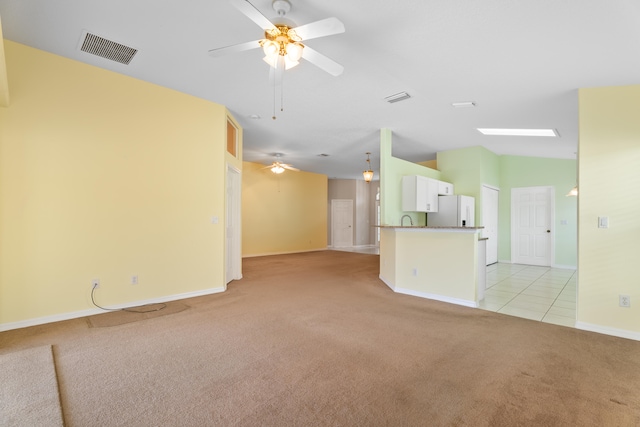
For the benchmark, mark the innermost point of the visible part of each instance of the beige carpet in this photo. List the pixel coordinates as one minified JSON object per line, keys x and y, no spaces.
{"x":316,"y":339}
{"x":29,"y":389}
{"x":135,"y":314}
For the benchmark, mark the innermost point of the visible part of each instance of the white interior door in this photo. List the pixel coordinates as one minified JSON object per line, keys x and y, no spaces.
{"x":531,"y":219}
{"x":490,"y":221}
{"x":341,"y":223}
{"x":233,"y":253}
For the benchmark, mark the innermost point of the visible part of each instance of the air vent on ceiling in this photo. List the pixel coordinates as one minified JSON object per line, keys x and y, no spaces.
{"x":108,"y":49}
{"x":401,"y":96}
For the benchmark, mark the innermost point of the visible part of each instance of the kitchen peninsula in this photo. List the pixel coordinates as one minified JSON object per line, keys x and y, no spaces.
{"x":438,"y":263}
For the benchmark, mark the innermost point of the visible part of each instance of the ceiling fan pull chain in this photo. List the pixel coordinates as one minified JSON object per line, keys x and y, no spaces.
{"x":274,"y":102}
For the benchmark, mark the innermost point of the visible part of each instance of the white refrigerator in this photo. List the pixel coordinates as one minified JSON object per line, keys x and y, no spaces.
{"x":453,"y":211}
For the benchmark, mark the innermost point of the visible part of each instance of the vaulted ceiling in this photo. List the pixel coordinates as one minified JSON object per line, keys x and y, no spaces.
{"x":520,"y":62}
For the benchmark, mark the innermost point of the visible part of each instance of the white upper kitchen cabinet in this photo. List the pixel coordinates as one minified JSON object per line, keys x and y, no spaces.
{"x":419,"y":194}
{"x":445,"y":188}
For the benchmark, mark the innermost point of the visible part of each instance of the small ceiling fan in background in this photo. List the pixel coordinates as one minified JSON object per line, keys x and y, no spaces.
{"x":278,"y":167}
{"x":282,"y":42}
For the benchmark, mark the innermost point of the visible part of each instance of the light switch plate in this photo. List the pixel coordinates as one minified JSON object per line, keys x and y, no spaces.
{"x":603,"y":222}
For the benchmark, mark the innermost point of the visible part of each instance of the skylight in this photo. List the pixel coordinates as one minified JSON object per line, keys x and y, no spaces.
{"x":519,"y":132}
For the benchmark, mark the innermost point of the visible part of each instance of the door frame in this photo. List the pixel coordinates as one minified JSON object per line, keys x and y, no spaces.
{"x":483,"y":209}
{"x":551,"y":247}
{"x":233,"y":229}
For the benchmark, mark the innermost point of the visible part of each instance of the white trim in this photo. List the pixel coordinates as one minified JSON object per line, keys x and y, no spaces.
{"x":436,"y":297}
{"x":457,"y":301}
{"x":566,"y":267}
{"x":622,"y":333}
{"x":90,"y":312}
{"x":393,"y":288}
{"x":284,"y":253}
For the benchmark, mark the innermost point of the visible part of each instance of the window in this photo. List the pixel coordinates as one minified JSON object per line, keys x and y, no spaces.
{"x":232,"y":138}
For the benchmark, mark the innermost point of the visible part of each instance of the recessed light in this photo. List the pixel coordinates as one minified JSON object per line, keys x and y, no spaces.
{"x":255,"y":117}
{"x":463,"y":104}
{"x":519,"y":132}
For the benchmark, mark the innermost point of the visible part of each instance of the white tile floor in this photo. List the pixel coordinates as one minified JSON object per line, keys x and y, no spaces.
{"x":536,"y":293}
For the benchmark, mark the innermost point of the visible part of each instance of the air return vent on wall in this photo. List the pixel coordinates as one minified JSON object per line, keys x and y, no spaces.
{"x":108,"y":49}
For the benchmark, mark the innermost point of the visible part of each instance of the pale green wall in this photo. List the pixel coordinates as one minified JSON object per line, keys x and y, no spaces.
{"x":517,"y":171}
{"x":104,"y":176}
{"x":391,"y":172}
{"x":609,"y":183}
{"x":470,"y":168}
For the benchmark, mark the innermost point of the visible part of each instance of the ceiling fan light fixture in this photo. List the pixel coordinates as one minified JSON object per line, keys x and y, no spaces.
{"x":270,"y":48}
{"x":277,"y":169}
{"x":294,"y":51}
{"x":288,"y":63}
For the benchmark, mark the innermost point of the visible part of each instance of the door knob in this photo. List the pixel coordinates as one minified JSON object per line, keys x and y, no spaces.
{"x":548,"y":231}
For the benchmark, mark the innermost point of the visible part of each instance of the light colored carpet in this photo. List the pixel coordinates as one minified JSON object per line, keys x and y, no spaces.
{"x":29,"y":389}
{"x":135,"y":314}
{"x":316,"y":339}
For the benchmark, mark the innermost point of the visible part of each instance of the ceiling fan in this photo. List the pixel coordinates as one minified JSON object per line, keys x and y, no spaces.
{"x":282,"y":42}
{"x":278,"y":167}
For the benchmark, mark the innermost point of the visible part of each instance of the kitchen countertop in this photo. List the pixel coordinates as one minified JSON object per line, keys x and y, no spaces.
{"x":429,"y":227}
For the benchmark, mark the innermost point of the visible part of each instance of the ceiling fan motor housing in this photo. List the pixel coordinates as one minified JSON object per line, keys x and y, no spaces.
{"x":282,"y":7}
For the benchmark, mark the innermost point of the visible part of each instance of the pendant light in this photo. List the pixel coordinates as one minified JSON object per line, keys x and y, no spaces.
{"x":368,"y":174}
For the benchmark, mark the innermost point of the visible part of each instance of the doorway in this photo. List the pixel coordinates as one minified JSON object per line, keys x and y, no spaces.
{"x":532,"y":211}
{"x":341,"y":222}
{"x":490,"y":221}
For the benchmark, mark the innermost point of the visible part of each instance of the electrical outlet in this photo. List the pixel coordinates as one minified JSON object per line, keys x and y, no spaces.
{"x":625,"y":300}
{"x":134,"y":280}
{"x":95,"y":283}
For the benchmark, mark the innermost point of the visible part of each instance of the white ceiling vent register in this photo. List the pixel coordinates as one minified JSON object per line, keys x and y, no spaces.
{"x":108,"y":49}
{"x":401,"y":96}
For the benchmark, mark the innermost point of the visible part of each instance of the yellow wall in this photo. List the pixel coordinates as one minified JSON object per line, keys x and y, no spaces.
{"x":609,"y":183}
{"x":104,"y":176}
{"x":419,"y":262}
{"x":282,"y":213}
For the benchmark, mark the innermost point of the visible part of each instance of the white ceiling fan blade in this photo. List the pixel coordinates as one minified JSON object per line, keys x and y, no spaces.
{"x":325,"y":27}
{"x":321,"y":61}
{"x":221,"y":51}
{"x":252,"y":13}
{"x":291,"y":168}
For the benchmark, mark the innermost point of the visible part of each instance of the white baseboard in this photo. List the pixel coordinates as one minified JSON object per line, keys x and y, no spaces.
{"x":622,"y":333}
{"x":284,"y":253}
{"x":436,"y":297}
{"x":90,"y":312}
{"x":393,"y":288}
{"x":450,"y":300}
{"x":566,"y":267}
